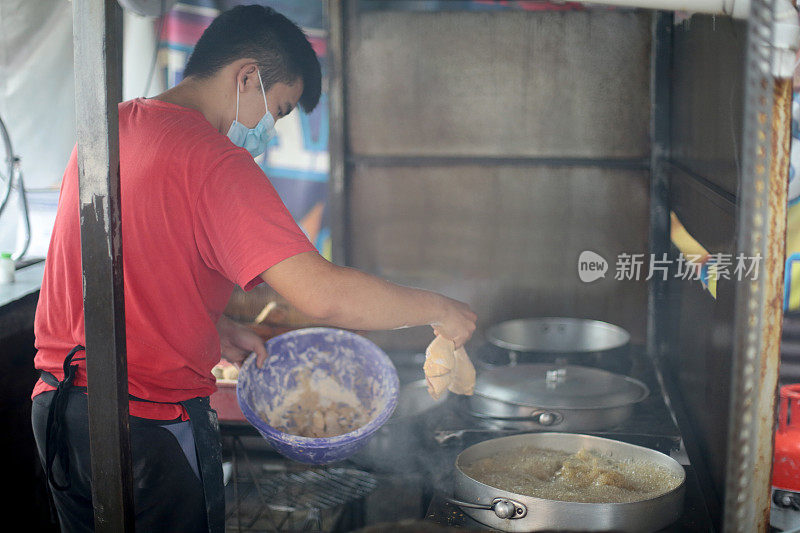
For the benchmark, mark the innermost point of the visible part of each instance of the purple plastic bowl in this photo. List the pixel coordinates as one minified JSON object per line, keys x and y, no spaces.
{"x":357,"y":363}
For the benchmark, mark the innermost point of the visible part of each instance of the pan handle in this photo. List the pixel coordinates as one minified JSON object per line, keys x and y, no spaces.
{"x":504,"y":508}
{"x":539,"y":416}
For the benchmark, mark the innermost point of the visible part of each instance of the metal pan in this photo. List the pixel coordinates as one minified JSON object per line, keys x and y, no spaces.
{"x":546,"y":396}
{"x":557,"y":340}
{"x":509,"y":511}
{"x":557,"y":335}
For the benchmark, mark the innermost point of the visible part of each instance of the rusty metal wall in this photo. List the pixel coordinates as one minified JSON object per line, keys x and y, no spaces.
{"x":487,"y":150}
{"x":761,"y":230}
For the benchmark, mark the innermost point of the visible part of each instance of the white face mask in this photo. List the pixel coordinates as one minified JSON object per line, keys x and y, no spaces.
{"x":254,"y":140}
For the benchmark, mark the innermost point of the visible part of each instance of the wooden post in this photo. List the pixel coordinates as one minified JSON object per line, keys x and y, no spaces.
{"x":98,"y":90}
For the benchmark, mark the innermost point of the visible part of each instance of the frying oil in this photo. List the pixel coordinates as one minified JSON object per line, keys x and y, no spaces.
{"x":586,"y":476}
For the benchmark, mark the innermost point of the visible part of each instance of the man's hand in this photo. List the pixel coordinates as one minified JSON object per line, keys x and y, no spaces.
{"x":457,"y":323}
{"x":237,"y":342}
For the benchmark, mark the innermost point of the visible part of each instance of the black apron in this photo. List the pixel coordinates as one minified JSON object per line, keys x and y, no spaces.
{"x":204,"y":426}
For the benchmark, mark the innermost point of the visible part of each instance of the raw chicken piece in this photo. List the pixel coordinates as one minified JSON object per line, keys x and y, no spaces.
{"x":439,"y":362}
{"x":463,"y":375}
{"x":448,"y":368}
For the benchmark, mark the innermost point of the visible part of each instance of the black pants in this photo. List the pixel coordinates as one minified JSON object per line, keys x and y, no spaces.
{"x":167,"y":493}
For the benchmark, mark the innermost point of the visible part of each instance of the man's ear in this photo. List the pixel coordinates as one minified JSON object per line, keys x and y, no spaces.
{"x":248,"y":73}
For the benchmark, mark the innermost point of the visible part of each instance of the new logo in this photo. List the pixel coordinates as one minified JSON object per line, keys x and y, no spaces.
{"x":591,"y":266}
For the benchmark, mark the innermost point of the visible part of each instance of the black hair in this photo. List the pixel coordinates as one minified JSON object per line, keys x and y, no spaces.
{"x":280,"y":48}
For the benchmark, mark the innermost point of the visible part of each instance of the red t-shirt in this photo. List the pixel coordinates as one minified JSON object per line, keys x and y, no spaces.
{"x":198,"y":216}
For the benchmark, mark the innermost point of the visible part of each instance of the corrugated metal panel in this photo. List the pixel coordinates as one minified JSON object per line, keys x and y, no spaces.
{"x":705,"y":117}
{"x":499,"y":84}
{"x":505,"y":239}
{"x":707,"y":91}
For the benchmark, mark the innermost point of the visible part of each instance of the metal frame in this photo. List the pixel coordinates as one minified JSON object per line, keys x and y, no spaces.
{"x":98,"y":84}
{"x":660,"y":64}
{"x":443,"y":161}
{"x":755,"y":371}
{"x":338,"y":11}
{"x":761,"y":215}
{"x":761,"y":230}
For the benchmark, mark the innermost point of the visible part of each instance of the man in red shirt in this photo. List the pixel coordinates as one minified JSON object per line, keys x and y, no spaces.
{"x":198,"y":216}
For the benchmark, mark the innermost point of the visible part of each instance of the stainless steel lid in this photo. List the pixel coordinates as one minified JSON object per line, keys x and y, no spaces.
{"x":559,"y":387}
{"x":557,"y":335}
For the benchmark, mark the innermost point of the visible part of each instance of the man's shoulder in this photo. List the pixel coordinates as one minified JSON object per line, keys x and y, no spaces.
{"x":184,"y":132}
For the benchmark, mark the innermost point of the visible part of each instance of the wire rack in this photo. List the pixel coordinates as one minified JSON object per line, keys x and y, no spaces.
{"x":318,"y":489}
{"x":274,"y":497}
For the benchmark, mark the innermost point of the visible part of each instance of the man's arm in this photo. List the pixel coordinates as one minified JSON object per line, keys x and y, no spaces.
{"x":348,"y":298}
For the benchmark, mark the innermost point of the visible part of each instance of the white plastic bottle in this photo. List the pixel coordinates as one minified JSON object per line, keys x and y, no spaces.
{"x":7,"y":269}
